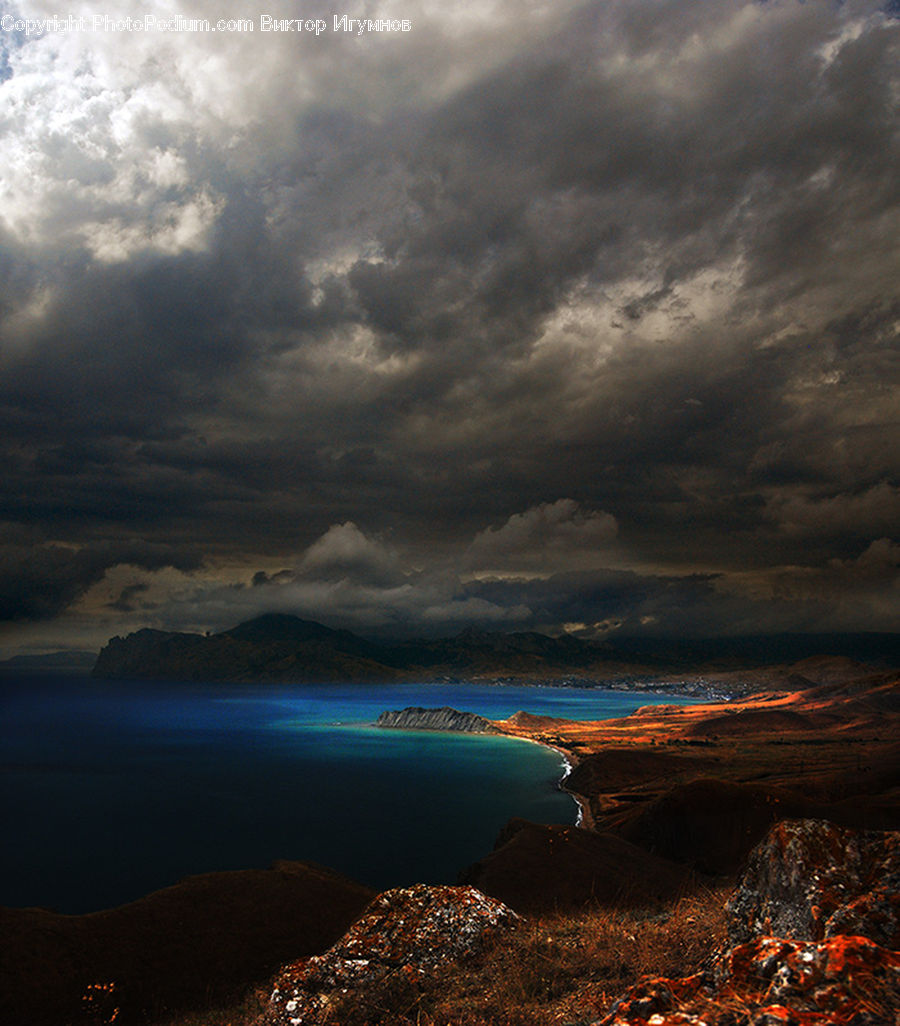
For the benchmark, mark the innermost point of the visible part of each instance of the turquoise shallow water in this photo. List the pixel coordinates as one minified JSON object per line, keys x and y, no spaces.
{"x":113,"y":789}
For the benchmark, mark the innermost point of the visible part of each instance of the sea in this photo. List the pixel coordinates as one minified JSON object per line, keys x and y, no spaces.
{"x":113,"y":789}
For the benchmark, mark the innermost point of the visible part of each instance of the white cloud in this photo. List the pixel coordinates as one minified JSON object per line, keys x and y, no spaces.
{"x":344,"y":551}
{"x":96,"y":132}
{"x":550,"y":537}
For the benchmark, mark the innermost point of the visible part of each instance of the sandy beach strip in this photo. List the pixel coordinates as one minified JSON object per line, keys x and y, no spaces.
{"x":584,"y":818}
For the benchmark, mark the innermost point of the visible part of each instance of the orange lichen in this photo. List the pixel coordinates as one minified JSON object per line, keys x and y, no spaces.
{"x":98,"y":1002}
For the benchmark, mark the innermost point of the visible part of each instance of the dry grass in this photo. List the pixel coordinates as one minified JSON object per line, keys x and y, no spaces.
{"x":559,"y":969}
{"x":570,"y":968}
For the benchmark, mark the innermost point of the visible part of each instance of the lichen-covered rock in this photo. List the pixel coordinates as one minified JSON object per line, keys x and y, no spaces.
{"x":407,"y":931}
{"x":841,"y":981}
{"x":845,"y":979}
{"x":661,"y":1000}
{"x":814,"y":919}
{"x":810,"y":879}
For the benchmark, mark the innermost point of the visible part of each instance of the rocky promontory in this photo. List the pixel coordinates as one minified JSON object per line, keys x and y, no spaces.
{"x":416,"y":718}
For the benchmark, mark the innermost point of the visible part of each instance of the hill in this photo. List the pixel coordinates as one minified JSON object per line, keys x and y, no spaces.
{"x":700,"y":785}
{"x":74,"y":662}
{"x":272,"y":647}
{"x":204,"y":939}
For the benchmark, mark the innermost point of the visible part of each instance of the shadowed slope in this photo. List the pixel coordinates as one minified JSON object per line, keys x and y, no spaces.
{"x":204,"y":940}
{"x":537,"y":868}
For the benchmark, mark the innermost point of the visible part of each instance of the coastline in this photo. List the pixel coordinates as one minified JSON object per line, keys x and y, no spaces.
{"x":780,"y":753}
{"x":584,"y":819}
{"x":446,"y":720}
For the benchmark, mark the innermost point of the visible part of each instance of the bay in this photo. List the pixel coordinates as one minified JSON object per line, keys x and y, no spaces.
{"x":113,"y":789}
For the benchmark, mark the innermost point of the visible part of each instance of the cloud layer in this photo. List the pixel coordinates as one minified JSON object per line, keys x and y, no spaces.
{"x":534,"y":315}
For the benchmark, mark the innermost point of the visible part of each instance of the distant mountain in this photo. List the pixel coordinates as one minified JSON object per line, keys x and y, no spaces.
{"x":878,"y":649}
{"x":277,"y":647}
{"x":272,"y":647}
{"x":280,"y":647}
{"x":51,"y":662}
{"x":483,"y":653}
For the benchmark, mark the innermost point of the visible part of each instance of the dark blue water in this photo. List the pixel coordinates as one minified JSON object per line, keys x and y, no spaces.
{"x":113,"y":789}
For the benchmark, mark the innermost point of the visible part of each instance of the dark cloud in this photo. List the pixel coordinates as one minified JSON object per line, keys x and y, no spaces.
{"x":40,"y":581}
{"x":609,"y":291}
{"x":125,"y":603}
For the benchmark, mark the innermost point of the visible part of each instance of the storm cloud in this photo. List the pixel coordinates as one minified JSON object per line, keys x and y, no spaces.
{"x":581,"y":317}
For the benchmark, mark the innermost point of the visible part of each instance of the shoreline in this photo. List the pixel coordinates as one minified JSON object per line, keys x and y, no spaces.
{"x":805,"y":750}
{"x":584,"y":819}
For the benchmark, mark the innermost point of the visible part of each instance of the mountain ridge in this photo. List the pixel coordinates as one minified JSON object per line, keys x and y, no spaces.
{"x":281,"y":647}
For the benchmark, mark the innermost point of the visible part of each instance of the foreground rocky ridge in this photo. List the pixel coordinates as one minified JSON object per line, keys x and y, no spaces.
{"x":836,"y":965}
{"x":817,"y":914}
{"x":775,"y":981}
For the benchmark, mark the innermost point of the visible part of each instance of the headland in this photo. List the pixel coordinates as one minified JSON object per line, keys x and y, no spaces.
{"x":443,"y":719}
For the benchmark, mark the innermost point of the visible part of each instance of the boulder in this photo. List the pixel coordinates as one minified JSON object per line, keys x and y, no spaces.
{"x":810,"y":879}
{"x":405,"y":932}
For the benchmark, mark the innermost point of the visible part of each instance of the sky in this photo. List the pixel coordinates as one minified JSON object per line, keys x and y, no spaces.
{"x":517,"y":315}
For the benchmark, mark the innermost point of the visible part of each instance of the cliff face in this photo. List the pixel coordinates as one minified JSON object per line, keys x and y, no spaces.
{"x":445,"y":718}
